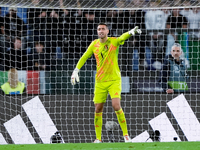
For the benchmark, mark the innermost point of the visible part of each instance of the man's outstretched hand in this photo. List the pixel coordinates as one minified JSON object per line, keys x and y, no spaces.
{"x":134,"y":31}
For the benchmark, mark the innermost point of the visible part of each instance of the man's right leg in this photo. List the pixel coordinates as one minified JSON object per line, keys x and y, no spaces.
{"x":100,"y":95}
{"x":98,"y":121}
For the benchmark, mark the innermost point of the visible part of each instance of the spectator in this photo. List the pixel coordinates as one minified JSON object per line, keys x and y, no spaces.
{"x":174,"y":21}
{"x":71,"y":25}
{"x":88,"y":33}
{"x":166,"y":11}
{"x":193,"y":17}
{"x":36,"y":22}
{"x":72,"y":38}
{"x":173,"y":74}
{"x":186,"y":10}
{"x":1,"y":35}
{"x":15,"y":57}
{"x":136,"y":18}
{"x":68,"y":28}
{"x":2,"y":39}
{"x":39,"y":59}
{"x":1,"y":23}
{"x":13,"y":85}
{"x":36,"y":26}
{"x":116,"y":18}
{"x":53,"y":31}
{"x":89,"y":26}
{"x":155,"y":20}
{"x":14,"y":26}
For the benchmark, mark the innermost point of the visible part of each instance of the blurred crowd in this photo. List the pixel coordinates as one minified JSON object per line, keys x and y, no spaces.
{"x":33,"y":38}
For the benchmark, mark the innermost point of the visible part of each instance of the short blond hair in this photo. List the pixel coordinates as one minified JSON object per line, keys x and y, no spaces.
{"x":13,"y":77}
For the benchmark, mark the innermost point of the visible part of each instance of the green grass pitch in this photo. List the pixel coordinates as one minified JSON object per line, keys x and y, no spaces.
{"x":106,"y":146}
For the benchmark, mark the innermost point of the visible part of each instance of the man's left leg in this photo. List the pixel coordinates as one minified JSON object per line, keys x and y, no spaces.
{"x":120,"y":115}
{"x":115,"y":93}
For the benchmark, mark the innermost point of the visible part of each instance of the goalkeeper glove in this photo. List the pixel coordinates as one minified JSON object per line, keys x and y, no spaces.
{"x":134,"y":31}
{"x":75,"y":77}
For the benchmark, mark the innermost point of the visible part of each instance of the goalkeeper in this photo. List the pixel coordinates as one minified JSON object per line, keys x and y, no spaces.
{"x":108,"y":76}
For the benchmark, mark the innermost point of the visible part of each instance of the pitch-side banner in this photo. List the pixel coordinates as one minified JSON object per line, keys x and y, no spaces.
{"x":176,"y":118}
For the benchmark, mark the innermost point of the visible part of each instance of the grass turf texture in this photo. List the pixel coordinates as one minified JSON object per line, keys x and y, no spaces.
{"x":106,"y":146}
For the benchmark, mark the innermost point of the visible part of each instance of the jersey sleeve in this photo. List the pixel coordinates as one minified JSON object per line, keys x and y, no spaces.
{"x":122,"y":38}
{"x":85,"y":56}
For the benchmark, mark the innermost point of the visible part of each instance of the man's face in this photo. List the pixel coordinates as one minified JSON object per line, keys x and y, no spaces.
{"x":12,"y":12}
{"x":90,"y":17}
{"x":39,"y":48}
{"x":102,"y":31}
{"x":176,"y":11}
{"x":176,"y":52}
{"x":18,"y":44}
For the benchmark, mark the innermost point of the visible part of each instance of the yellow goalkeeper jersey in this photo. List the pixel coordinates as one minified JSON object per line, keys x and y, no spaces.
{"x":106,"y":55}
